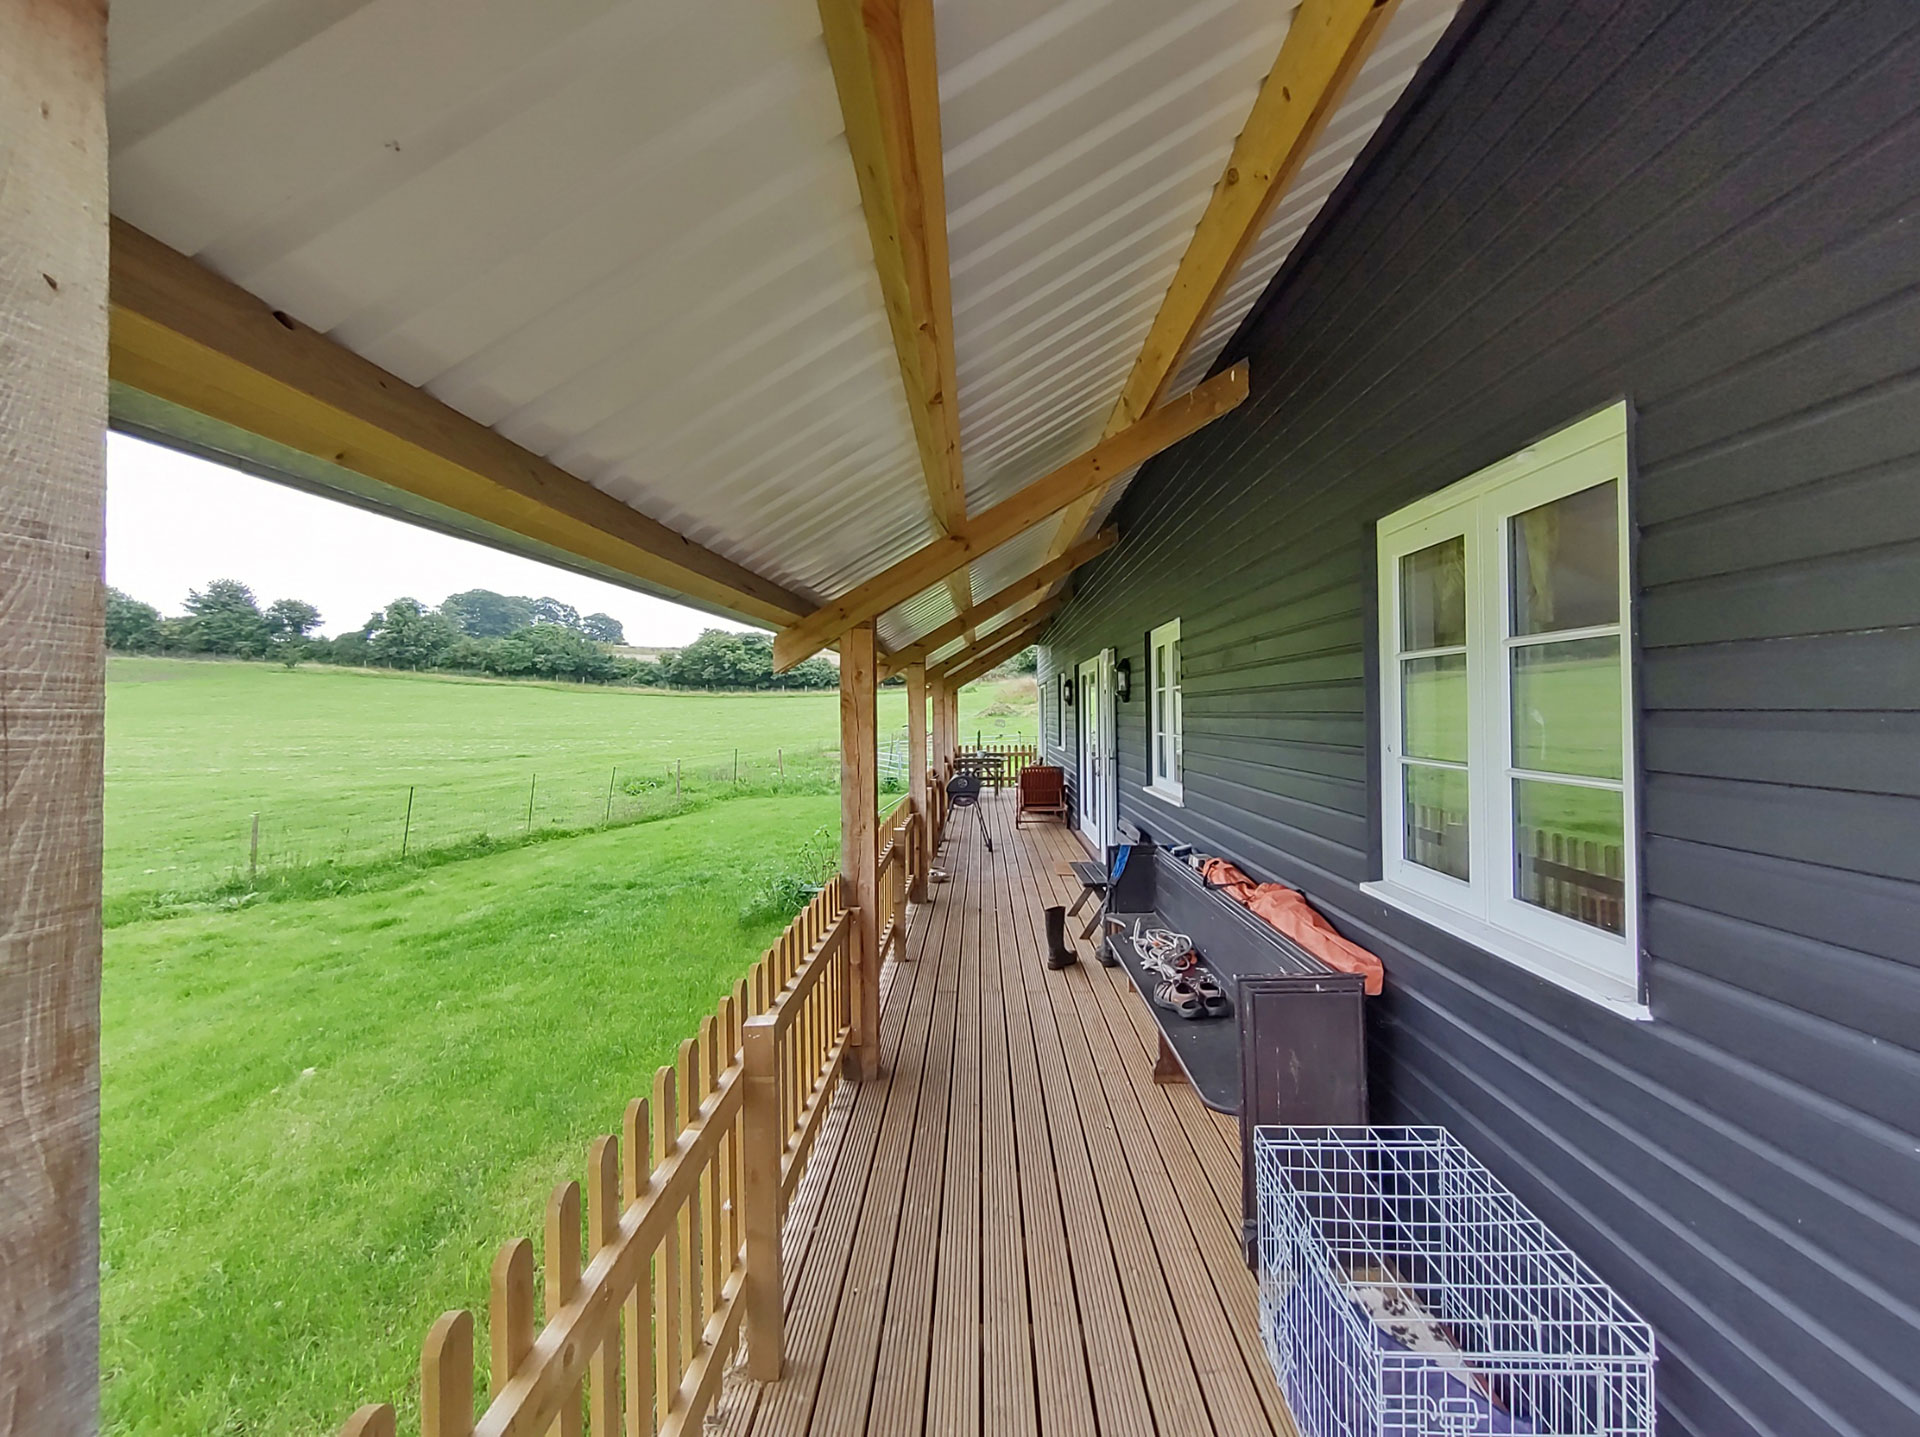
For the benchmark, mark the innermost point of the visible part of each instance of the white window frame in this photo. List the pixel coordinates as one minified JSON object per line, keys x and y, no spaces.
{"x":1602,"y":966}
{"x":1168,"y":786}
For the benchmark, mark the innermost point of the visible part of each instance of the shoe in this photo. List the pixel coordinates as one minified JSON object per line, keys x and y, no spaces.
{"x":1207,"y":989}
{"x":1059,"y":954}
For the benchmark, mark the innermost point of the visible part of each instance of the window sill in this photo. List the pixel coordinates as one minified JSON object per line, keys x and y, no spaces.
{"x":1609,"y":993}
{"x":1174,"y":796}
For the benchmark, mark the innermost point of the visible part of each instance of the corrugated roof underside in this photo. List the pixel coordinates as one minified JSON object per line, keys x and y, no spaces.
{"x":1083,"y":140}
{"x":626,"y":233}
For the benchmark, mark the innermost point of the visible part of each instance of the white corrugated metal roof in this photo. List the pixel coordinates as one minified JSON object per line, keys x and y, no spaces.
{"x":626,"y":233}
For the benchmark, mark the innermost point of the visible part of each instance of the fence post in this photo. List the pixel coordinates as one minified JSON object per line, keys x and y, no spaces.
{"x":406,"y":831}
{"x":760,"y":1190}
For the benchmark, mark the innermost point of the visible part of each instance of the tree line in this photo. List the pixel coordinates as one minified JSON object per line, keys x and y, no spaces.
{"x":475,"y":632}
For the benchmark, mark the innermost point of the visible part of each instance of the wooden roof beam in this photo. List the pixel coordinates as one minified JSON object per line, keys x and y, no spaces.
{"x":1327,"y":43}
{"x":1020,"y":589}
{"x":888,"y":80}
{"x":1046,"y":496}
{"x":185,"y":335}
{"x":992,"y":658}
{"x":1030,"y":618}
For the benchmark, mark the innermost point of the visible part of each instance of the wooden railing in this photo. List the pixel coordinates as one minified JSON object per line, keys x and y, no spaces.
{"x":1016,"y":756}
{"x":935,"y":809}
{"x":902,"y":867}
{"x":684,"y":1243}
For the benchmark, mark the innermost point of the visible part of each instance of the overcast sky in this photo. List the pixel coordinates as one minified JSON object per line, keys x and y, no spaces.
{"x":175,"y":522}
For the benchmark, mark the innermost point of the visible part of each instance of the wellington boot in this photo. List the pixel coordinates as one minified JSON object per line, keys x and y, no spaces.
{"x":1059,"y":953}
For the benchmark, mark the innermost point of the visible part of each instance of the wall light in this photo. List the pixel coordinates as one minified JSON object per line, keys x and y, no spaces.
{"x":1123,"y":680}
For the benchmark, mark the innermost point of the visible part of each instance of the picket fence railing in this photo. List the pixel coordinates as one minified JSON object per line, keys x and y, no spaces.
{"x":1016,"y":756}
{"x":683,"y":1211}
{"x":902,"y":869}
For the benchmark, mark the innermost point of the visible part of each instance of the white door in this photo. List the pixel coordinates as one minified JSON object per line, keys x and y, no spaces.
{"x":1094,"y":721}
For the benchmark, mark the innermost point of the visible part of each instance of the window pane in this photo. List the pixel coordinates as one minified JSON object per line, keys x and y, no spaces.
{"x":1566,"y":563}
{"x":1433,"y":597}
{"x":1570,"y":852}
{"x":1566,"y":707}
{"x":1435,"y":818}
{"x":1433,"y":707}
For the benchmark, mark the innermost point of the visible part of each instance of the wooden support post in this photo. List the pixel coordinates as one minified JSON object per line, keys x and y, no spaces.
{"x":765,"y":1140}
{"x":53,"y":419}
{"x":859,"y":824}
{"x":917,"y":777}
{"x":942,"y":728}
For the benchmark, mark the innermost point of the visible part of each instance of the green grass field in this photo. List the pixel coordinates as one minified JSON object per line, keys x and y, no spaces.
{"x":327,"y":757}
{"x":321,"y":1115}
{"x":319,"y":1119}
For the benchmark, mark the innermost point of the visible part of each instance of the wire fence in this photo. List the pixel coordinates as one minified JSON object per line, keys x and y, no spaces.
{"x":398,"y":822}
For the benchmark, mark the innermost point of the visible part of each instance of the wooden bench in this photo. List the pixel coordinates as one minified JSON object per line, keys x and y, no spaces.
{"x":1292,"y":1052}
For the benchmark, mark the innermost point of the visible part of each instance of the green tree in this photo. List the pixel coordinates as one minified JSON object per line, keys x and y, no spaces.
{"x":132,"y":627}
{"x":349,"y":649}
{"x":408,"y":637}
{"x":603,"y":629}
{"x":470,"y":655}
{"x":552,"y":611}
{"x":179,"y":634}
{"x":719,"y":659}
{"x":289,"y":623}
{"x":818,"y":672}
{"x":483,"y":614}
{"x":550,"y":651}
{"x":227,"y":620}
{"x":641,"y":673}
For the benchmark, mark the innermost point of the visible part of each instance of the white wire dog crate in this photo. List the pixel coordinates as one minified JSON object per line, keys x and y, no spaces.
{"x":1404,"y":1292}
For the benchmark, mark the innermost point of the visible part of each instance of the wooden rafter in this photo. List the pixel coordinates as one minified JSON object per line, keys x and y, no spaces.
{"x":991,"y":607}
{"x":185,"y":335}
{"x":888,"y":79}
{"x":1327,"y":43}
{"x":991,"y":658}
{"x":1046,"y":496}
{"x":1024,"y":620}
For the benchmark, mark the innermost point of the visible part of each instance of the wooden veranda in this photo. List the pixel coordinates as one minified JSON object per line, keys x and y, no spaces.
{"x":1015,"y":1229}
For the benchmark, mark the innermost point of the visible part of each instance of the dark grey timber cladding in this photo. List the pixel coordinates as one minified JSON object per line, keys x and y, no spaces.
{"x":1712,"y":209}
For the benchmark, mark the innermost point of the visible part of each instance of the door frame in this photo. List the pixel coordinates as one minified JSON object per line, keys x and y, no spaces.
{"x":1095,"y":750}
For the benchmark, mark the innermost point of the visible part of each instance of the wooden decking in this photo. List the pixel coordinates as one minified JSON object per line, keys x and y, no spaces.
{"x":1016,"y":1230}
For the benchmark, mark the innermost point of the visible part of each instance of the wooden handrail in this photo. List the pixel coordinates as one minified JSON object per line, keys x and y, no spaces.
{"x":673,"y":1245}
{"x":534,"y":1395}
{"x":787,"y":1006}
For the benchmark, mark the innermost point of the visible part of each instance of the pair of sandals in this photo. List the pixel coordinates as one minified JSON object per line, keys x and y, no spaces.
{"x":1186,"y":988}
{"x":1193,"y":995}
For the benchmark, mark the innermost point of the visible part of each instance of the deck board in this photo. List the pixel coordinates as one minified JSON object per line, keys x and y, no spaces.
{"x":1015,"y":1230}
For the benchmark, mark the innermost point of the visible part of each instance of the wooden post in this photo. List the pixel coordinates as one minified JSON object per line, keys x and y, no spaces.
{"x":53,"y":418}
{"x":937,"y":703}
{"x":766,"y":1317}
{"x":917,"y":772}
{"x":859,"y":822}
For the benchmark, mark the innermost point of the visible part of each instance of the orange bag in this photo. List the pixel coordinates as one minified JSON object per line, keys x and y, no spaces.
{"x":1286,"y":911}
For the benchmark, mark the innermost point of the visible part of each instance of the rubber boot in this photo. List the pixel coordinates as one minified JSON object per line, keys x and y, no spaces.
{"x":1059,"y":954}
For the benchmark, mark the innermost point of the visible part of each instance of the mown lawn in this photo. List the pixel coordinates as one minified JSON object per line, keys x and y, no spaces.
{"x":320,"y":1118}
{"x":328,"y":757}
